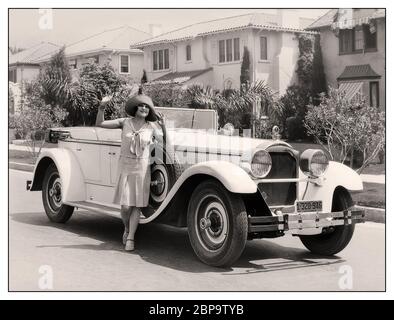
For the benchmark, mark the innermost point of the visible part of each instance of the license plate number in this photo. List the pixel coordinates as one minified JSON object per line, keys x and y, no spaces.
{"x":309,"y":206}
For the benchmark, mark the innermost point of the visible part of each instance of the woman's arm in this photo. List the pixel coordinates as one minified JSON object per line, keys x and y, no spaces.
{"x":109,"y":124}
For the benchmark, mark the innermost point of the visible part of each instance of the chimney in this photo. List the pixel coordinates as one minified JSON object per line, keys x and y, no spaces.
{"x":155,"y":29}
{"x":288,"y":18}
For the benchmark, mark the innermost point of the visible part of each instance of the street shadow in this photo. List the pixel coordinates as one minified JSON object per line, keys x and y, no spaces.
{"x":170,"y":247}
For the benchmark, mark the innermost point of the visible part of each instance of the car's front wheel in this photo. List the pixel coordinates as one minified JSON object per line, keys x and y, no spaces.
{"x":217,"y":224}
{"x":335,"y":240}
{"x":52,"y":197}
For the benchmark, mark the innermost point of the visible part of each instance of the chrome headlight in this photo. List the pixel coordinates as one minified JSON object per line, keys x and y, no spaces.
{"x":261,"y":164}
{"x":314,"y":162}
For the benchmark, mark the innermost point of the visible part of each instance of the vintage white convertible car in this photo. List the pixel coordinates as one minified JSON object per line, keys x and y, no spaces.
{"x":225,"y":189}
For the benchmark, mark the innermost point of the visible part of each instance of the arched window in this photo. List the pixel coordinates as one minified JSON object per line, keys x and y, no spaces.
{"x":188,"y":53}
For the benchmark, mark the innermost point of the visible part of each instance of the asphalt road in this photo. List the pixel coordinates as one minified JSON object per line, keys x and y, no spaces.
{"x":86,"y":254}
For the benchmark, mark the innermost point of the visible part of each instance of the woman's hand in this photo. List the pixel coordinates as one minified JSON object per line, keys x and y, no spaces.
{"x":160,"y":117}
{"x":104,"y":102}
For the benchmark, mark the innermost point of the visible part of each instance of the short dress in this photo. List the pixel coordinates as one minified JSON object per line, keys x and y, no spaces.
{"x":133,"y":178}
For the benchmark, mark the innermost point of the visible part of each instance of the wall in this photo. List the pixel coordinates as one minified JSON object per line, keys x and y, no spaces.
{"x":135,"y":66}
{"x":334,"y":64}
{"x":148,"y":62}
{"x":227,"y":71}
{"x":26,"y":73}
{"x":197,"y":62}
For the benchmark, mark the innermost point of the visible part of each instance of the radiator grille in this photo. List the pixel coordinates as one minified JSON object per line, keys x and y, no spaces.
{"x":284,"y":166}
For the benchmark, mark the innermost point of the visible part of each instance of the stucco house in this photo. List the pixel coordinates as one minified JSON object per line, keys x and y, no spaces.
{"x":23,"y":66}
{"x":110,"y":46}
{"x":210,"y":53}
{"x":354,"y":51}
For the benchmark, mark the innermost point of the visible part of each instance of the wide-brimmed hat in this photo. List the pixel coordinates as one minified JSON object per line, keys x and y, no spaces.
{"x":133,"y":102}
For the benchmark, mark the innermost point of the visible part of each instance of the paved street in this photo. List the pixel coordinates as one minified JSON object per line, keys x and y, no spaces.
{"x":86,"y":254}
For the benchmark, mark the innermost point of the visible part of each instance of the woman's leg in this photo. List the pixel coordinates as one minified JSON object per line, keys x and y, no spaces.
{"x":133,"y":222}
{"x":125,"y":213}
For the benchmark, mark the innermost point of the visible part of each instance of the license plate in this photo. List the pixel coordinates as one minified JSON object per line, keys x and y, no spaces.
{"x":309,"y":206}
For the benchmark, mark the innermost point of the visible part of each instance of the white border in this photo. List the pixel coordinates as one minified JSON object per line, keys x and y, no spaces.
{"x":185,"y":295}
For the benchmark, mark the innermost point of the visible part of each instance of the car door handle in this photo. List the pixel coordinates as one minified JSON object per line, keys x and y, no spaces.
{"x":79,"y":149}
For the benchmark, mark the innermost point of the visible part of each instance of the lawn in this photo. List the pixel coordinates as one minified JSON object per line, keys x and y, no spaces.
{"x":373,"y":195}
{"x":373,"y":168}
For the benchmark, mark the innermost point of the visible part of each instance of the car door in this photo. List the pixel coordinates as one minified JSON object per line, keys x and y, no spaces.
{"x":88,"y":155}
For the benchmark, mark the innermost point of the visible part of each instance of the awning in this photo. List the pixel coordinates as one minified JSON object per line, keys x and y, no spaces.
{"x":350,"y":89}
{"x":358,"y":72}
{"x":180,"y":77}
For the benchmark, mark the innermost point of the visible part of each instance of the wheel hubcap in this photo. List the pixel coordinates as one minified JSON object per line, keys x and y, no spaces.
{"x":211,"y":223}
{"x":55,"y":192}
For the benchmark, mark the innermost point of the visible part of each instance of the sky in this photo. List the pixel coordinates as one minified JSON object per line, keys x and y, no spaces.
{"x":71,"y":25}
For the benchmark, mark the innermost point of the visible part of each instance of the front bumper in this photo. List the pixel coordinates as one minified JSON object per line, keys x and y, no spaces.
{"x":302,"y":221}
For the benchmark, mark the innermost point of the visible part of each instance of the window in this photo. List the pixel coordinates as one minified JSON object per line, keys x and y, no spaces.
{"x":359,"y":39}
{"x":229,"y":50}
{"x":188,"y":53}
{"x":263,"y":48}
{"x":345,"y":41}
{"x":72,"y":63}
{"x":155,"y":60}
{"x":236,"y":49}
{"x":124,"y":64}
{"x":161,"y":59}
{"x":12,"y":75}
{"x":370,"y":37}
{"x":374,"y":93}
{"x":222,"y":57}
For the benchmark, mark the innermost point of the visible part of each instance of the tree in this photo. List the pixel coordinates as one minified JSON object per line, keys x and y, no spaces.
{"x":343,"y":127}
{"x":55,"y":78}
{"x":35,"y":118}
{"x":245,"y":68}
{"x":144,"y":78}
{"x":319,"y":83}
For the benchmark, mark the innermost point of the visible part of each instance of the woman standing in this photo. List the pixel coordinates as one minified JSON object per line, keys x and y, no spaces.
{"x":133,"y":184}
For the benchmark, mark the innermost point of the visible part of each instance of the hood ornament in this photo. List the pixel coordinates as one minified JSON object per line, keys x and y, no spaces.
{"x":275,"y":133}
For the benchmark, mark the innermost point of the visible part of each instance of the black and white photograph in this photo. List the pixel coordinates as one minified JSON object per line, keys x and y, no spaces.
{"x":196,"y":149}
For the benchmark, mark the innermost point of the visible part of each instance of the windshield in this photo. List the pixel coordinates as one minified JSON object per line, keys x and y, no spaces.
{"x":189,"y":118}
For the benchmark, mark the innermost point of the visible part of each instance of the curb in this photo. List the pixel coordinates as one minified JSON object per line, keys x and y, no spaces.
{"x":371,"y":214}
{"x":374,"y":214}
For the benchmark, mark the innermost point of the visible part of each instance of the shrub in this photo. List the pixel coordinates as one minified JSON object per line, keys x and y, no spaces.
{"x":344,"y":128}
{"x":35,"y":118}
{"x":295,"y":104}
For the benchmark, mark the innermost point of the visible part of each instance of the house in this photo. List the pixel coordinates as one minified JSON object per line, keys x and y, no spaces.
{"x":110,"y":46}
{"x":211,"y":52}
{"x":23,"y":66}
{"x":353,"y":48}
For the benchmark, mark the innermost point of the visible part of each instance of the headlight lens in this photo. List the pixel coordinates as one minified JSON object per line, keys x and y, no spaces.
{"x":261,"y":164}
{"x":314,"y":162}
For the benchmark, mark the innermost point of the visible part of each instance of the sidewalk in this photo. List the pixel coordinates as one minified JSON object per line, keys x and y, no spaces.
{"x":23,"y":148}
{"x":374,"y":178}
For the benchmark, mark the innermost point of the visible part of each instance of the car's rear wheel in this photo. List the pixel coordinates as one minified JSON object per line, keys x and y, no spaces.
{"x":52,"y":197}
{"x":217,"y":224}
{"x":335,"y":240}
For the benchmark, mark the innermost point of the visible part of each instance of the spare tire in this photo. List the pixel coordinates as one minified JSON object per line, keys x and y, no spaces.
{"x":165,"y":171}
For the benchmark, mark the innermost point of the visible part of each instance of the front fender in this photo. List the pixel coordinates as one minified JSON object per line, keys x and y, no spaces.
{"x":233,"y":177}
{"x":73,"y":186}
{"x":337,"y":175}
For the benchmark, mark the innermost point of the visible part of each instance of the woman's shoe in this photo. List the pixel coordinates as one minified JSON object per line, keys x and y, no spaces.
{"x":129,"y":245}
{"x":125,"y":235}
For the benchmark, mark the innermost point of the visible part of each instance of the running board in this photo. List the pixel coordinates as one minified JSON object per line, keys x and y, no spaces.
{"x":100,"y":208}
{"x":95,"y":208}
